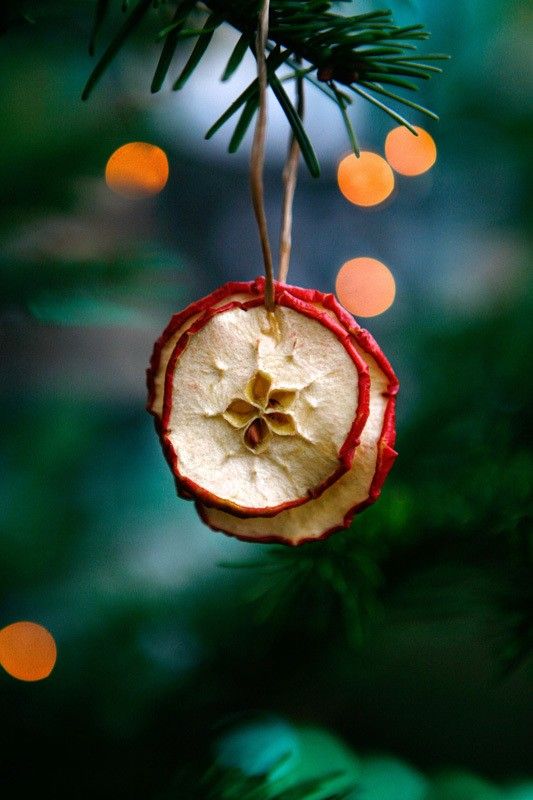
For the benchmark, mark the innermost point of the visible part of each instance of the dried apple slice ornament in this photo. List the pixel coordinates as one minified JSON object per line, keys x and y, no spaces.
{"x":281,"y":425}
{"x":257,"y":411}
{"x":275,"y":410}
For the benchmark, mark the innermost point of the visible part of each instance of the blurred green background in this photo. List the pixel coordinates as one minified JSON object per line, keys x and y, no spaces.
{"x":410,"y":634}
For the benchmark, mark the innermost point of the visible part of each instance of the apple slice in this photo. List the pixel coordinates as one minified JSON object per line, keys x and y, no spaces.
{"x":354,"y":490}
{"x":257,"y":412}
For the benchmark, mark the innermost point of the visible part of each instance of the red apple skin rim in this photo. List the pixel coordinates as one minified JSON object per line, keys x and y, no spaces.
{"x":189,"y":488}
{"x":385,"y":456}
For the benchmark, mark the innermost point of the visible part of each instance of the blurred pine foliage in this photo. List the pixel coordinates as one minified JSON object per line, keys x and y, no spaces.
{"x":409,"y":633}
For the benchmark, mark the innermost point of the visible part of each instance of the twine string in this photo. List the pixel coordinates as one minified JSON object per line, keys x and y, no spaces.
{"x":258,"y":153}
{"x":290,"y":175}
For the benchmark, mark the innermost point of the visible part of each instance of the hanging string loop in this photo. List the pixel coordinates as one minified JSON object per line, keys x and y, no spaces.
{"x":258,"y":153}
{"x":290,"y":174}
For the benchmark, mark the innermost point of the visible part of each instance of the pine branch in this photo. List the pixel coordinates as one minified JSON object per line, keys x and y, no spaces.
{"x":229,"y":783}
{"x":338,"y":579}
{"x":171,"y":42}
{"x":341,"y":102}
{"x":360,"y":52}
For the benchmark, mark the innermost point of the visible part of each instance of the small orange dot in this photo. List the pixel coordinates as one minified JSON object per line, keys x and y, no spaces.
{"x":365,"y":286}
{"x":365,"y":181}
{"x":408,"y":154}
{"x":136,"y":170}
{"x":27,"y":651}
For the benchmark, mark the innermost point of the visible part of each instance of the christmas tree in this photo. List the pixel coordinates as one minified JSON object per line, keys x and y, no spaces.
{"x":391,"y":660}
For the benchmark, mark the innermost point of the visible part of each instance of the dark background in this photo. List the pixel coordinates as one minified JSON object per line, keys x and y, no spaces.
{"x":426,"y":656}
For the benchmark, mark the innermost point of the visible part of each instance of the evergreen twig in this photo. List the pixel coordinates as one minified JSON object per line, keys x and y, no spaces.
{"x":360,"y":52}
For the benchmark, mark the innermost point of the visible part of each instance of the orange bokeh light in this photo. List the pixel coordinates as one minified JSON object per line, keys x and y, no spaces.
{"x":365,"y":286}
{"x":365,"y":181}
{"x":408,"y":154}
{"x":27,"y":651}
{"x":136,"y":170}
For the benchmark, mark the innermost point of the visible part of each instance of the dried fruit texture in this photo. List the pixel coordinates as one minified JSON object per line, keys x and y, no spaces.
{"x":258,"y":413}
{"x":359,"y":487}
